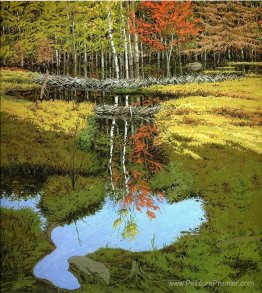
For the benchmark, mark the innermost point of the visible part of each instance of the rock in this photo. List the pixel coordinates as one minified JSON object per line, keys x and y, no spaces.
{"x":194,"y":66}
{"x":88,"y":269}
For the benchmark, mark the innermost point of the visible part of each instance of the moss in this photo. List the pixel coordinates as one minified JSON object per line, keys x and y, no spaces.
{"x":63,"y":204}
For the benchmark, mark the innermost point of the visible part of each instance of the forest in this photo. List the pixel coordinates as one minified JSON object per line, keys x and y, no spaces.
{"x":131,"y":146}
{"x":129,"y":39}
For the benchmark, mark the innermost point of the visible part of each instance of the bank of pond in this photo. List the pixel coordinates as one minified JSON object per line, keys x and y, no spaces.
{"x":94,"y":203}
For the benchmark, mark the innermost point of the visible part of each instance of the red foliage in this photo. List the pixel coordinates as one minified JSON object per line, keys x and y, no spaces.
{"x":163,"y":23}
{"x":139,"y":192}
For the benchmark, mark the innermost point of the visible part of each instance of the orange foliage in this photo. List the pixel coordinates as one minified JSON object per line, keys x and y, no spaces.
{"x":139,"y":192}
{"x":163,"y":23}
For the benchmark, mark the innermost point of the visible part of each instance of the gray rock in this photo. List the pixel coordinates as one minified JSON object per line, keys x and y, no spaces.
{"x":88,"y":269}
{"x":194,"y":66}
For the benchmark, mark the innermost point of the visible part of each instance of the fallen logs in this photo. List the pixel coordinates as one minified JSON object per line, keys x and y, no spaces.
{"x":111,"y":84}
{"x":113,"y":110}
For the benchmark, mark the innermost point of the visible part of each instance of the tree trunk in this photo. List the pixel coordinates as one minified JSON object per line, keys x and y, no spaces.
{"x":124,"y":156}
{"x":111,"y":153}
{"x":125,"y":42}
{"x":142,"y":60}
{"x":112,"y":42}
{"x":136,"y":59}
{"x":158,"y":61}
{"x":102,"y":64}
{"x":85,"y":61}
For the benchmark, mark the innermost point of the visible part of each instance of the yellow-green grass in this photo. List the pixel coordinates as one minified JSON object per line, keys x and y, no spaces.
{"x":25,"y":146}
{"x":243,"y":88}
{"x":225,"y":71}
{"x":245,"y":63}
{"x":56,"y":116}
{"x":17,"y":80}
{"x":227,"y":113}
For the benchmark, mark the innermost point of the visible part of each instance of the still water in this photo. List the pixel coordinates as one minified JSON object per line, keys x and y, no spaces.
{"x":127,"y":148}
{"x":90,"y":233}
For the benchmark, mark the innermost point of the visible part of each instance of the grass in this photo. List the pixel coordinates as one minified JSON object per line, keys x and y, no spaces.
{"x":22,"y":243}
{"x":56,"y":116}
{"x":17,"y":79}
{"x":226,"y":248}
{"x":26,"y":148}
{"x":244,"y":88}
{"x":217,"y":123}
{"x":43,"y":136}
{"x":62,"y":204}
{"x":244,"y":63}
{"x":226,"y":113}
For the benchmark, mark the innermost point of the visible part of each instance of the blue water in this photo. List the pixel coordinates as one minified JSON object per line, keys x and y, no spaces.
{"x":93,"y":232}
{"x":20,"y":203}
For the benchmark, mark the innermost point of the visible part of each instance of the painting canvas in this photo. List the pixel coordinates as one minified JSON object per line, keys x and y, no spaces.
{"x":131,"y":146}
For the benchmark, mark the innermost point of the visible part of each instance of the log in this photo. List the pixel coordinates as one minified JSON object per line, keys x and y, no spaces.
{"x":113,"y":84}
{"x":108,"y":110}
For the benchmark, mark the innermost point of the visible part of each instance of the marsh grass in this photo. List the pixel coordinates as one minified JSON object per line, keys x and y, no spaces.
{"x":226,"y":247}
{"x":26,"y":148}
{"x":244,"y":88}
{"x":230,"y":115}
{"x":56,"y":116}
{"x":17,"y":79}
{"x":22,"y":242}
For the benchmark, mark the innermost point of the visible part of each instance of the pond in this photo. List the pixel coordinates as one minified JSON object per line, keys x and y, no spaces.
{"x":133,"y":215}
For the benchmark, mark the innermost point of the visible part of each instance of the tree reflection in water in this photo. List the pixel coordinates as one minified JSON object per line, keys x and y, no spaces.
{"x":134,"y":157}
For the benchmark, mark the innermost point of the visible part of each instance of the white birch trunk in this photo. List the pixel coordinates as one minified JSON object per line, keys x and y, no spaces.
{"x":85,"y":61}
{"x":124,"y":157}
{"x":103,"y":64}
{"x":111,"y":153}
{"x":125,"y":43}
{"x":112,"y":42}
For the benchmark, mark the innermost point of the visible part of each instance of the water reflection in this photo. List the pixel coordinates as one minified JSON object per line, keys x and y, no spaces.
{"x":30,"y":202}
{"x":93,"y":232}
{"x":133,"y":215}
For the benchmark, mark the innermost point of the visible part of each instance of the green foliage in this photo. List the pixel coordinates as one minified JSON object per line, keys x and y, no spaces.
{"x":87,"y":135}
{"x":177,"y":183}
{"x":62,"y":204}
{"x":22,"y":242}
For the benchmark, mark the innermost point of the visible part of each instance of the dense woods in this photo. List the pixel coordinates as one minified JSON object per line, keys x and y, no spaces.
{"x":127,"y":39}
